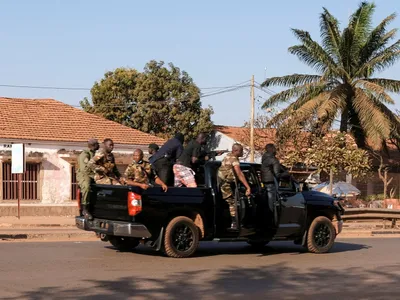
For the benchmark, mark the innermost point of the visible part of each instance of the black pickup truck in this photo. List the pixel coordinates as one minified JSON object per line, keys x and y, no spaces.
{"x":175,"y":221}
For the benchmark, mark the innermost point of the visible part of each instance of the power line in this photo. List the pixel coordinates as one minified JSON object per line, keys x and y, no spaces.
{"x":88,"y":89}
{"x":44,"y":87}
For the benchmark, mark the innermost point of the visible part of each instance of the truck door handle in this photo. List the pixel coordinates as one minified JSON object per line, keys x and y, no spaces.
{"x":101,"y":194}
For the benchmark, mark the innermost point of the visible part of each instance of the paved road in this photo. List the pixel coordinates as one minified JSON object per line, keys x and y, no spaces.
{"x":356,"y":269}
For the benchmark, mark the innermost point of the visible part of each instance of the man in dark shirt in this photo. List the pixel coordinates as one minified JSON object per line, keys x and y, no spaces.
{"x":166,"y":156}
{"x":188,"y":161}
{"x":270,"y":169}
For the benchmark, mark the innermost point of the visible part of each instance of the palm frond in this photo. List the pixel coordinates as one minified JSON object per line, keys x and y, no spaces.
{"x":335,"y":103}
{"x":374,"y":122}
{"x":375,"y":89}
{"x":314,"y":55}
{"x":291,"y":80}
{"x":300,"y":110}
{"x":361,"y":20}
{"x":389,"y":85}
{"x":330,"y":34}
{"x":377,"y":39}
{"x":305,"y":90}
{"x":380,"y":61}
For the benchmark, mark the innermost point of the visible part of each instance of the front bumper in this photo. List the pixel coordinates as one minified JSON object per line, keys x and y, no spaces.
{"x":117,"y":228}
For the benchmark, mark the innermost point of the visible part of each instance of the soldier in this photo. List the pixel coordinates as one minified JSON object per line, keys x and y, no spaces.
{"x":227,"y":174}
{"x":103,"y":165}
{"x":85,"y":175}
{"x":270,"y":169}
{"x":140,"y":172}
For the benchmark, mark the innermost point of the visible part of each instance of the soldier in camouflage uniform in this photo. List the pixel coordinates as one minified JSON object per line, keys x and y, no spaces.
{"x":140,"y":172}
{"x":85,"y":176}
{"x":103,"y":165}
{"x":228,"y":172}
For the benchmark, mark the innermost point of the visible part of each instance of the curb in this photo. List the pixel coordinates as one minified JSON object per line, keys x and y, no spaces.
{"x":47,"y":236}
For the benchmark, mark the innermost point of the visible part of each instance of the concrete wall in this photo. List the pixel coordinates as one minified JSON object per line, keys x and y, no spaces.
{"x":55,"y":172}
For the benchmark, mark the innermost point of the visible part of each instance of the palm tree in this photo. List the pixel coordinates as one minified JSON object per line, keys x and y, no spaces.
{"x":344,"y":87}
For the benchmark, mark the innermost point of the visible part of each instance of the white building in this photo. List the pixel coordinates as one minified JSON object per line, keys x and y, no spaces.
{"x":54,"y":134}
{"x":223,"y":138}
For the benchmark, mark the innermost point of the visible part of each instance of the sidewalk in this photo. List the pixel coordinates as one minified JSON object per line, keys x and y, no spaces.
{"x":42,"y":228}
{"x":63,"y":228}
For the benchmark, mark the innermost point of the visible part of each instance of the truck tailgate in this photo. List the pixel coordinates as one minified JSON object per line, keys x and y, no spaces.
{"x":111,"y":202}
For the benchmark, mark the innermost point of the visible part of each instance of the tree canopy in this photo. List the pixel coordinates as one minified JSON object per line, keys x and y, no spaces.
{"x":344,"y":86}
{"x":160,"y":100}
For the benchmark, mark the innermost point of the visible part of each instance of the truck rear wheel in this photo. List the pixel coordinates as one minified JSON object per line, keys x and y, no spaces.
{"x":321,"y":235}
{"x":181,"y":238}
{"x":123,"y":243}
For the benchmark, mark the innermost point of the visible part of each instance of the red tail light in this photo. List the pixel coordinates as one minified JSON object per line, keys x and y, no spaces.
{"x":134,"y":203}
{"x":78,"y":198}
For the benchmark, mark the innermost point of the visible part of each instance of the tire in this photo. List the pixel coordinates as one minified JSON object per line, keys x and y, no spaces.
{"x":181,"y":238}
{"x":258,"y":244}
{"x":321,"y":235}
{"x":123,"y":243}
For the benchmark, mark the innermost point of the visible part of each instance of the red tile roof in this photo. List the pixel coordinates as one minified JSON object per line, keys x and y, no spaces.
{"x":51,"y":120}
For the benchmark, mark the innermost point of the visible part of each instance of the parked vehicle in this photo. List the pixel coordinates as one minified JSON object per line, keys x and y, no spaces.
{"x":177,"y":220}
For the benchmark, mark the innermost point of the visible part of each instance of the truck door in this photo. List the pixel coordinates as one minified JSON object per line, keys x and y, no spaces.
{"x":292,"y":209}
{"x":247,"y":205}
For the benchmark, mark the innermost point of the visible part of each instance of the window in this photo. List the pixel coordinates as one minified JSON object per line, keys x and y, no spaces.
{"x":30,"y":182}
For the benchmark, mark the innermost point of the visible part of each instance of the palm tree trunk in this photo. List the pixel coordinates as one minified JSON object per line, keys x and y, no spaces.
{"x":344,"y":120}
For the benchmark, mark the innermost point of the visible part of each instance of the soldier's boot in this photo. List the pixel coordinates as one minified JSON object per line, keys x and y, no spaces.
{"x":86,"y":212}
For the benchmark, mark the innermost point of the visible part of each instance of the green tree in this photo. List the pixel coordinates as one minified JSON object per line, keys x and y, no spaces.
{"x":160,"y":100}
{"x":343,"y":86}
{"x":335,"y":153}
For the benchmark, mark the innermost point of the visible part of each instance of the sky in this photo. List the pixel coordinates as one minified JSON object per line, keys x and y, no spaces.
{"x":219,"y":43}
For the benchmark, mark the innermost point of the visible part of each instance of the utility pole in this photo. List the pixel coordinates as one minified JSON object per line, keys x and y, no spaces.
{"x":252,"y":120}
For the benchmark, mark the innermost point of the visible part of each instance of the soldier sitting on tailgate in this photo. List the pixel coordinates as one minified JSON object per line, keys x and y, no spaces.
{"x":103,"y":165}
{"x":85,"y":176}
{"x":227,"y":174}
{"x":140,"y":172}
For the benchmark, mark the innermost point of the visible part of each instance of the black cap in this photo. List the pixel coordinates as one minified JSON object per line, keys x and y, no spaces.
{"x":154,"y":147}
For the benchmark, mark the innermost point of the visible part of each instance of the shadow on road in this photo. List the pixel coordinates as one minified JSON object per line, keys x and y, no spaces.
{"x":279,"y":281}
{"x":240,"y":248}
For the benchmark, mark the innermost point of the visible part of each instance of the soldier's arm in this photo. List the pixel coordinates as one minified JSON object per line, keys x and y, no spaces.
{"x":240,"y":175}
{"x":94,"y":165}
{"x":116,"y":172}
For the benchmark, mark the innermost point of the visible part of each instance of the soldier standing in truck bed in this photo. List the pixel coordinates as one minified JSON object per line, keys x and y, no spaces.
{"x":228,"y":173}
{"x":85,"y":176}
{"x":103,"y":165}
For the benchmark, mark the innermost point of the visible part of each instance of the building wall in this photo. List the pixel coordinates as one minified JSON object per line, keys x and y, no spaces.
{"x":221,"y":141}
{"x":55,"y":171}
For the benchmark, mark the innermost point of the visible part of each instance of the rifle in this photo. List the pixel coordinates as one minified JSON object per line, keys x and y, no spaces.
{"x":212,"y":154}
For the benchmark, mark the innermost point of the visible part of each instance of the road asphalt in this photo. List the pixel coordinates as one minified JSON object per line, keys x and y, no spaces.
{"x":366,"y":268}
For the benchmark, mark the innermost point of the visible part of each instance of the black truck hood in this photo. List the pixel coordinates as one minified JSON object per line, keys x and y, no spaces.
{"x":315,"y":196}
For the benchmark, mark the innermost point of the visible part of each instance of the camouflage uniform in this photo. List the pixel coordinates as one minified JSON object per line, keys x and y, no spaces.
{"x":104,"y":167}
{"x":227,"y":178}
{"x":85,"y":175}
{"x":140,"y":172}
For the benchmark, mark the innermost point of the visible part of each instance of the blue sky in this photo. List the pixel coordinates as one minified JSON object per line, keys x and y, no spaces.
{"x":219,"y":43}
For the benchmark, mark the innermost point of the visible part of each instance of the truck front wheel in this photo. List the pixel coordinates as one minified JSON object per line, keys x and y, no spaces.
{"x":321,"y":235}
{"x":181,"y":238}
{"x":123,"y":243}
